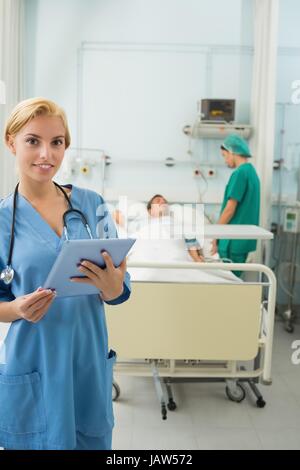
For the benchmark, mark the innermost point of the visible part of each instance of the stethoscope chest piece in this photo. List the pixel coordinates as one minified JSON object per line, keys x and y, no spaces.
{"x":7,"y":275}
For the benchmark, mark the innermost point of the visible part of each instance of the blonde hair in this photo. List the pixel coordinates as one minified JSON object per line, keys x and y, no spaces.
{"x":27,"y":110}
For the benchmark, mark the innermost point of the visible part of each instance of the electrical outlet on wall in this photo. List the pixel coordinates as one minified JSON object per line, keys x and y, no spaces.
{"x":207,"y":172}
{"x":210,"y":172}
{"x":198,"y":173}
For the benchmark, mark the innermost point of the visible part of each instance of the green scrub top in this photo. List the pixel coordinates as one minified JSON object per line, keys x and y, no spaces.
{"x":244,"y":187}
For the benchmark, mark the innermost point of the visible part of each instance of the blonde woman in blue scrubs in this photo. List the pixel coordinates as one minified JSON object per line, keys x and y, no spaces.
{"x":56,"y":375}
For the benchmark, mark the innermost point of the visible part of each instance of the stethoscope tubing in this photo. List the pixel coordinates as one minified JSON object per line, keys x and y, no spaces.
{"x":7,"y":273}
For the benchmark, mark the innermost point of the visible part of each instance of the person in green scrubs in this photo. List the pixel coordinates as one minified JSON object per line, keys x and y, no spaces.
{"x":241,"y":200}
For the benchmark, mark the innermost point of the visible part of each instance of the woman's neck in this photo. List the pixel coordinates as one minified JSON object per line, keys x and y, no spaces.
{"x":33,"y":190}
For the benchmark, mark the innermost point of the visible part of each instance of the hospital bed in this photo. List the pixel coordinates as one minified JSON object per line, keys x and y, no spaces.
{"x":196,"y":331}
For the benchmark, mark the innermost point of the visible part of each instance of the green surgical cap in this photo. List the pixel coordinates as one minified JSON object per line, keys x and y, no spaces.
{"x":235,"y":144}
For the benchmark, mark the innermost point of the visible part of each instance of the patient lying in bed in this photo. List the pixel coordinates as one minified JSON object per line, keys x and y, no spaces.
{"x":158,"y":241}
{"x":163,"y":222}
{"x":160,"y":220}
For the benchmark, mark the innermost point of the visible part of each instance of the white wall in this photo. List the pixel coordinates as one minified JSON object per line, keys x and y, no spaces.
{"x":289,"y":35}
{"x":287,"y":139}
{"x":135,"y":102}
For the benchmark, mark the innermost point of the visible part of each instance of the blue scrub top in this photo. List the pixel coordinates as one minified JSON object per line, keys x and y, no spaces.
{"x":55,"y":375}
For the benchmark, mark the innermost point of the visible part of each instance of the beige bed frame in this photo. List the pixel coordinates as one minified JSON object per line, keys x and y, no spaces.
{"x":196,"y":330}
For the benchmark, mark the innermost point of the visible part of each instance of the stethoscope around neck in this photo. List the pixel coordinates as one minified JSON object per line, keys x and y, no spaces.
{"x":7,"y":274}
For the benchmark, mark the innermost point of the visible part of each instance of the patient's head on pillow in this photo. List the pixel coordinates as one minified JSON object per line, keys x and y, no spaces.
{"x":158,"y":206}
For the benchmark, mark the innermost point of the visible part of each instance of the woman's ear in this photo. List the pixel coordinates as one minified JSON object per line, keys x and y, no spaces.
{"x":10,"y":142}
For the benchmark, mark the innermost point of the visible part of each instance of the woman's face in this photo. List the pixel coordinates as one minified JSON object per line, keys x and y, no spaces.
{"x":39,"y":147}
{"x":159,"y":207}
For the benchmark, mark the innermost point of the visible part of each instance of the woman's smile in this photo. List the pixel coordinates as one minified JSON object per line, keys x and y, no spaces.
{"x":43,"y":167}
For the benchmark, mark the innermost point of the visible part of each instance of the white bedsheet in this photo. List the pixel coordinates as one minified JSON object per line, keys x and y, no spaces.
{"x":182,"y":275}
{"x":171,"y":251}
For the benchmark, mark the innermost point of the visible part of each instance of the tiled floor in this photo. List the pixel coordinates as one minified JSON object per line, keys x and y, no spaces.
{"x":206,"y":419}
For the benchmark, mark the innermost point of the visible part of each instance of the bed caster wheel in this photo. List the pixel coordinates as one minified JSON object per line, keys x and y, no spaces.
{"x":289,"y":328}
{"x":236,"y":394}
{"x":115,"y":391}
{"x":172,"y":405}
{"x":260,"y":403}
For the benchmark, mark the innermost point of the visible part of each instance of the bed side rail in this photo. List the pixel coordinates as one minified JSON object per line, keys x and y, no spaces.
{"x":270,"y":283}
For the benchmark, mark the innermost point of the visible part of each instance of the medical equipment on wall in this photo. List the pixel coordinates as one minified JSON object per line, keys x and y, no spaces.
{"x":215,"y":120}
{"x":85,"y":167}
{"x":83,"y":162}
{"x":7,"y":274}
{"x":217,"y":130}
{"x":286,"y":247}
{"x":291,"y":220}
{"x":218,"y":110}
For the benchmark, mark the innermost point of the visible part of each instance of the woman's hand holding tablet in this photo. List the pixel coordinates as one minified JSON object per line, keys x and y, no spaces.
{"x":100,"y":271}
{"x":108,"y":280}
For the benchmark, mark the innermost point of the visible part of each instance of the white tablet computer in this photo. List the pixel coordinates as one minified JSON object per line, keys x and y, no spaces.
{"x":74,"y":251}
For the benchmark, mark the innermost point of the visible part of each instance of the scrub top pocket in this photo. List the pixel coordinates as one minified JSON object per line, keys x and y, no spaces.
{"x":21,"y":404}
